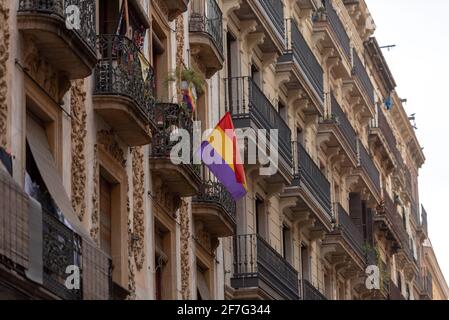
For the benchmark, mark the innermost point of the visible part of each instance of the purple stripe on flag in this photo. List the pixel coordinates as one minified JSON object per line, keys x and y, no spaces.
{"x":226,"y":175}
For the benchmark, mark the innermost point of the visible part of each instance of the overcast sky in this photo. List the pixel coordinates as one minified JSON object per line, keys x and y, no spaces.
{"x":420,"y":66}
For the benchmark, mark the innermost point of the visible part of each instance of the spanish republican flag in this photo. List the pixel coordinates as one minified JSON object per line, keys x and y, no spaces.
{"x":220,"y":153}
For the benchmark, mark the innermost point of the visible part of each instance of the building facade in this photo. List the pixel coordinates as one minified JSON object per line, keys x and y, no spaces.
{"x":92,"y":91}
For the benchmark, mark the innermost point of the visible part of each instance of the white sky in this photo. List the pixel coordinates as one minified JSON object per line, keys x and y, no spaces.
{"x":420,"y":65}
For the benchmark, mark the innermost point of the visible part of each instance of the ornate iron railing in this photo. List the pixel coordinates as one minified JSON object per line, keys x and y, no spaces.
{"x":338,"y":28}
{"x":385,"y":128}
{"x":298,"y":49}
{"x":350,"y":230}
{"x":212,"y":191}
{"x":60,"y":8}
{"x":123,"y":70}
{"x":395,"y":219}
{"x":309,"y":292}
{"x":246,"y":101}
{"x":207,"y":17}
{"x":310,"y":174}
{"x":361,"y":73}
{"x":343,"y":124}
{"x":367,"y":164}
{"x":61,"y":248}
{"x":254,"y":258}
{"x":168,"y":119}
{"x":275,"y":11}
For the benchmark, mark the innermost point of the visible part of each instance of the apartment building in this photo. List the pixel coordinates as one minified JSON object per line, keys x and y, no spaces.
{"x":86,"y":114}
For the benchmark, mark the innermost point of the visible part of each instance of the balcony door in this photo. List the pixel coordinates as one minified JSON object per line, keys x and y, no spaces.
{"x":261,"y":218}
{"x":105,"y":216}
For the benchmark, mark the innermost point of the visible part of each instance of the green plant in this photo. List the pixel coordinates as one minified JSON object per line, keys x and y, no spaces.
{"x":188,"y":75}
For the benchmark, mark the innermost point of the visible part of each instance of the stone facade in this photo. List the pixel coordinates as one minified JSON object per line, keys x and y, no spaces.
{"x":345,"y":195}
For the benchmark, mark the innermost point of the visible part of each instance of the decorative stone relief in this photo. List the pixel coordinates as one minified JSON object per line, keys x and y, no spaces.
{"x":95,"y":216}
{"x":185,"y":250}
{"x":131,"y":272}
{"x":79,"y":132}
{"x":138,"y":230}
{"x":4,"y":56}
{"x":106,"y":138}
{"x":179,"y":48}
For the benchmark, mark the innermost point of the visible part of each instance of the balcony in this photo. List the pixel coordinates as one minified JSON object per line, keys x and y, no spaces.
{"x":300,"y":62}
{"x":181,"y":178}
{"x":62,"y":247}
{"x":309,"y":292}
{"x":123,"y":93}
{"x":206,"y":35}
{"x":347,"y":238}
{"x":260,"y":272}
{"x":174,"y":7}
{"x":69,"y":51}
{"x":368,"y":171}
{"x":264,"y":21}
{"x":362,"y":87}
{"x":340,"y":133}
{"x":332,"y":35}
{"x":215,"y":207}
{"x":425,"y":283}
{"x":390,"y":223}
{"x":250,"y":108}
{"x":382,"y":138}
{"x":311,"y":187}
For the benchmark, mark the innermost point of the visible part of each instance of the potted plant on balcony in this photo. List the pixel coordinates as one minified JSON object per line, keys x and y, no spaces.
{"x":190,"y":85}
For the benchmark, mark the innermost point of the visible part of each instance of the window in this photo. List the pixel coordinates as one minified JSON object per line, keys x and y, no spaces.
{"x":256,"y":76}
{"x":162,"y":263}
{"x":287,"y":243}
{"x":261,"y":219}
{"x":305,"y":262}
{"x":283,"y":111}
{"x":105,"y":216}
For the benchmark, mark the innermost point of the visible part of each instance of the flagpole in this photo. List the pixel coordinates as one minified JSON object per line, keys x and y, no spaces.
{"x":127,"y":19}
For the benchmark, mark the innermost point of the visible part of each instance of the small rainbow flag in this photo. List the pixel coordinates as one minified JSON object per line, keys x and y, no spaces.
{"x":221,"y":146}
{"x":189,"y":97}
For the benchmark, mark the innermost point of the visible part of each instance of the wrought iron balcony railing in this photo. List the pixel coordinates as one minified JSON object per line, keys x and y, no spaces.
{"x":275,"y":11}
{"x":255,"y":260}
{"x":367,"y":165}
{"x":360,"y":72}
{"x":248,"y":104}
{"x":338,"y":28}
{"x":63,"y":247}
{"x":212,"y":191}
{"x":207,"y":17}
{"x":385,"y":128}
{"x":393,"y":216}
{"x":343,"y":124}
{"x":350,"y":230}
{"x":310,"y":174}
{"x":298,"y":49}
{"x":309,"y":292}
{"x":169,"y":118}
{"x":58,"y":8}
{"x":123,"y":70}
